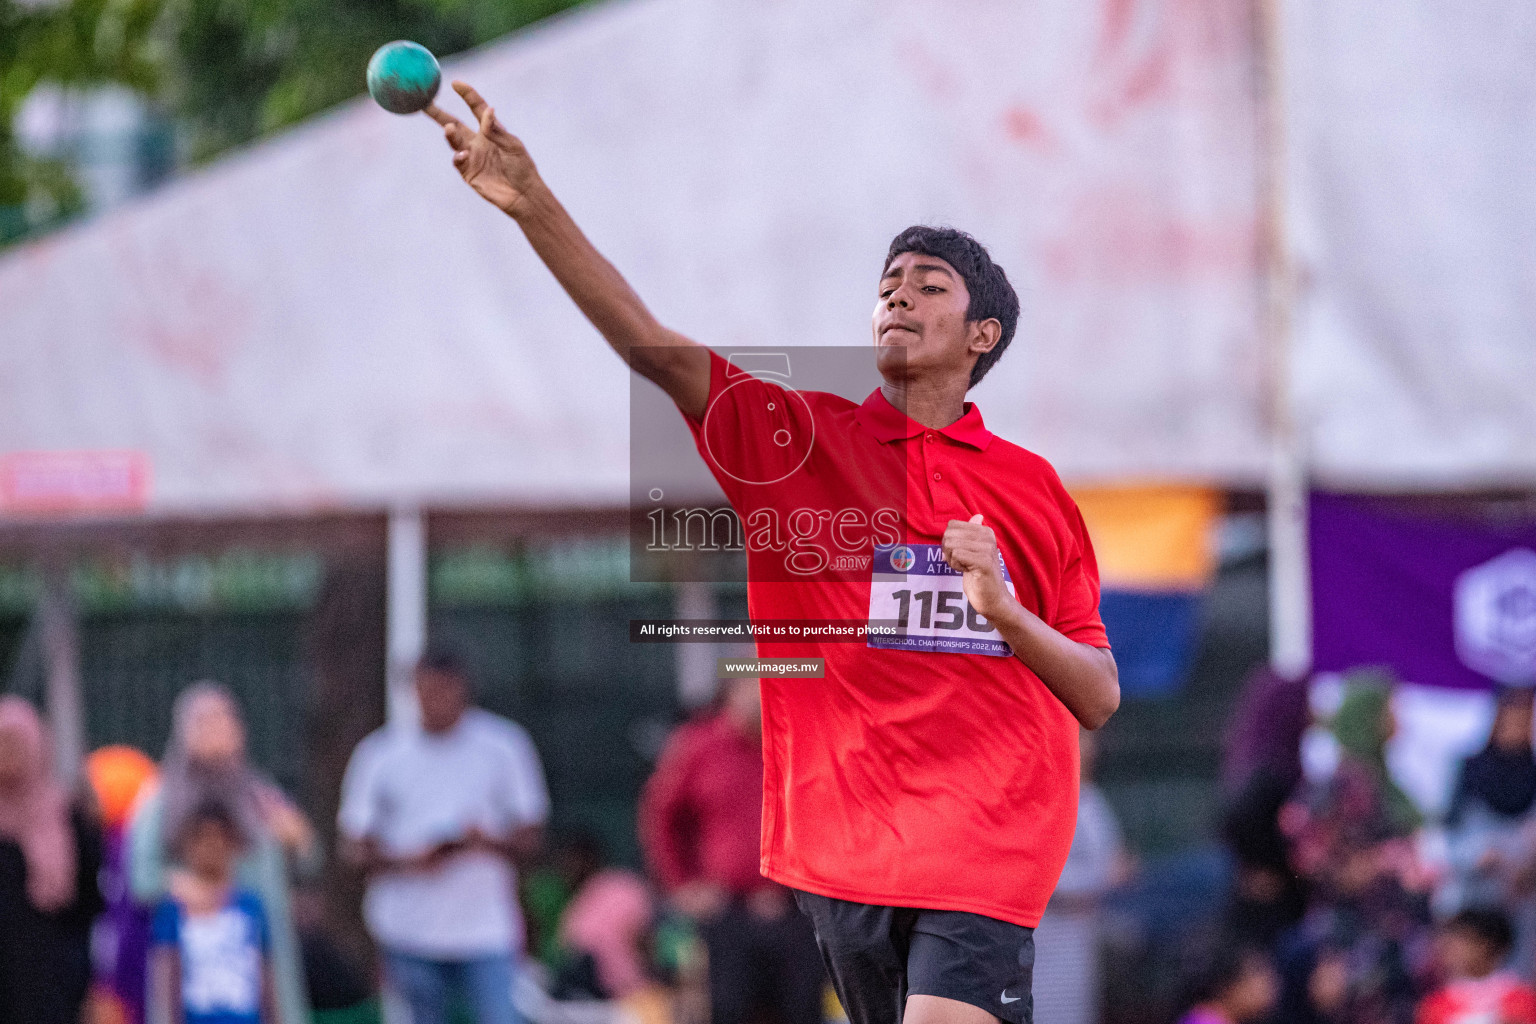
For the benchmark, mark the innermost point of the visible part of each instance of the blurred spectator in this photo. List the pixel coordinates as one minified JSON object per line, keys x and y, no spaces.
{"x":1487,"y":826}
{"x":607,"y":924}
{"x":210,"y":962}
{"x":1237,"y":985}
{"x":1352,"y":959}
{"x":1472,"y":949}
{"x":1261,"y":770}
{"x":549,"y":888}
{"x":50,"y":853}
{"x":1067,"y":980}
{"x":1359,"y":806}
{"x":119,"y":775}
{"x":206,"y":761}
{"x":436,"y":816}
{"x":700,"y":825}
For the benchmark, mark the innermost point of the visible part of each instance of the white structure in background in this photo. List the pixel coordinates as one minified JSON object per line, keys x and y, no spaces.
{"x":331,"y":320}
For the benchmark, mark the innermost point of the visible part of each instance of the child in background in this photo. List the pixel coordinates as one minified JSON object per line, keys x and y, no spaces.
{"x":1472,"y":948}
{"x":1237,"y":986}
{"x":209,"y":939}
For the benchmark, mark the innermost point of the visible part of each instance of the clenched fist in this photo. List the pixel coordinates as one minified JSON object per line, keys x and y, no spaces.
{"x":971,"y":549}
{"x":492,"y":160}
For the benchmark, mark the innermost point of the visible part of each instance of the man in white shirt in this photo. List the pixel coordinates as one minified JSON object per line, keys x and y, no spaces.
{"x":437,"y":816}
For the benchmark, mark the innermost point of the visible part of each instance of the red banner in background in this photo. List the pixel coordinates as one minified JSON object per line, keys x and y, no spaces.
{"x":53,"y":483}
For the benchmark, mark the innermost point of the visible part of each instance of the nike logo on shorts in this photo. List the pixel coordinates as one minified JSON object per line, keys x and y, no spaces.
{"x":1006,"y":1000}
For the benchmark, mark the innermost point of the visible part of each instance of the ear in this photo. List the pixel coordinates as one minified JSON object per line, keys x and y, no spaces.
{"x":985,"y":334}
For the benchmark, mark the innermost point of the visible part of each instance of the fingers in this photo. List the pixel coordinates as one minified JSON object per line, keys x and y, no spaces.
{"x":968,"y":545}
{"x":458,"y":136}
{"x":454,"y":131}
{"x":440,"y":115}
{"x":477,"y":104}
{"x":969,"y":528}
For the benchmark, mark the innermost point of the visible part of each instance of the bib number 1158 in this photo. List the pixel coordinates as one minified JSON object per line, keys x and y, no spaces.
{"x":939,"y":609}
{"x":916,"y":603}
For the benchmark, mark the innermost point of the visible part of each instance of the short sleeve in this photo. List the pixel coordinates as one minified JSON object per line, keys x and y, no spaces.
{"x":1077,"y":607}
{"x":756,"y":430}
{"x":359,"y":813}
{"x":165,"y":926}
{"x":527,"y":792}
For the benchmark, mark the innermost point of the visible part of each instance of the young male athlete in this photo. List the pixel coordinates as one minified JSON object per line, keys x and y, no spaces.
{"x":920,"y":798}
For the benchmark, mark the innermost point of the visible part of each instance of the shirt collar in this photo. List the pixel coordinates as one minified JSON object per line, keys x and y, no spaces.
{"x":888,"y":423}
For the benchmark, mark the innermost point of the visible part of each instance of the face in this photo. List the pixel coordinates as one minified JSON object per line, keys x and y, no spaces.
{"x":744,"y":703}
{"x":209,"y":848}
{"x":443,"y":697}
{"x":919,"y":324}
{"x":215,"y":734}
{"x":1512,"y":727}
{"x":1388,"y":724}
{"x":1254,"y":994}
{"x":1463,"y":955}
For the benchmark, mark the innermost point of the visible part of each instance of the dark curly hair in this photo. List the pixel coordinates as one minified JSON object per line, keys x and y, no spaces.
{"x":992,"y":297}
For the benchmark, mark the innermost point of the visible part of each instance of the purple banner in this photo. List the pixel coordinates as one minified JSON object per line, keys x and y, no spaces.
{"x":1445,"y":599}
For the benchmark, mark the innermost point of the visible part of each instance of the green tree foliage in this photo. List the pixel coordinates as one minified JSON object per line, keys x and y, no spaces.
{"x":224,"y":72}
{"x":77,"y":45}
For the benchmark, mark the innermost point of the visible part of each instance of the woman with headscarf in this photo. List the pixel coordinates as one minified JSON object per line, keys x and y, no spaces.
{"x":1489,"y":823}
{"x":1260,"y":772}
{"x":1362,"y":799}
{"x":50,"y":852}
{"x":1355,"y":956}
{"x":204,"y":763}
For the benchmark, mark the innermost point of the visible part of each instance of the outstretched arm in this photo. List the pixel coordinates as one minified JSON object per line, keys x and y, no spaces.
{"x":497,"y":166}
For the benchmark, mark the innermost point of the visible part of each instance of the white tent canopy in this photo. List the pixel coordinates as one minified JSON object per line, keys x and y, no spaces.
{"x":1414,"y":220}
{"x":332,"y":320}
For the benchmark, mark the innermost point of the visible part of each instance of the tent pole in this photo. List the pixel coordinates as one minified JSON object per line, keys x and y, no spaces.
{"x":60,"y":639}
{"x":696,"y":681}
{"x":406,"y":600}
{"x":1290,"y":592}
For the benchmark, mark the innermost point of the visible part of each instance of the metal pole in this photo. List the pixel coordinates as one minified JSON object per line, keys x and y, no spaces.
{"x":1290,"y":591}
{"x":60,"y":643}
{"x":406,"y":598}
{"x":695,"y":662}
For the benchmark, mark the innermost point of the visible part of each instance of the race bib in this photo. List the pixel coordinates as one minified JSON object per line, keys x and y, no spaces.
{"x":914,"y":588}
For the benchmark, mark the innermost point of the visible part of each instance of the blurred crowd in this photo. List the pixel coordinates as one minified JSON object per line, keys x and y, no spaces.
{"x":184,"y":892}
{"x":1348,"y":906}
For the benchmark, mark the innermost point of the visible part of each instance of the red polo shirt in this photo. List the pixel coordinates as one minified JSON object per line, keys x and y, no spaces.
{"x":905,"y":777}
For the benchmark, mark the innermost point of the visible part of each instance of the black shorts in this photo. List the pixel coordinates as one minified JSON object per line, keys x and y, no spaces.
{"x":877,"y":956}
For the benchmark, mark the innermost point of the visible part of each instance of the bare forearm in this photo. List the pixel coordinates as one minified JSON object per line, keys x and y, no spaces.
{"x":164,"y":987}
{"x":269,"y":1008}
{"x":1082,"y":677}
{"x":520,"y":846}
{"x":496,"y":164}
{"x":676,"y":364}
{"x":368,"y":857}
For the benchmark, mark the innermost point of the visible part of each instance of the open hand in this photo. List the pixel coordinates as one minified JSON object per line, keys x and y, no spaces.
{"x":492,"y":160}
{"x":971,"y":549}
{"x":286,"y":822}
